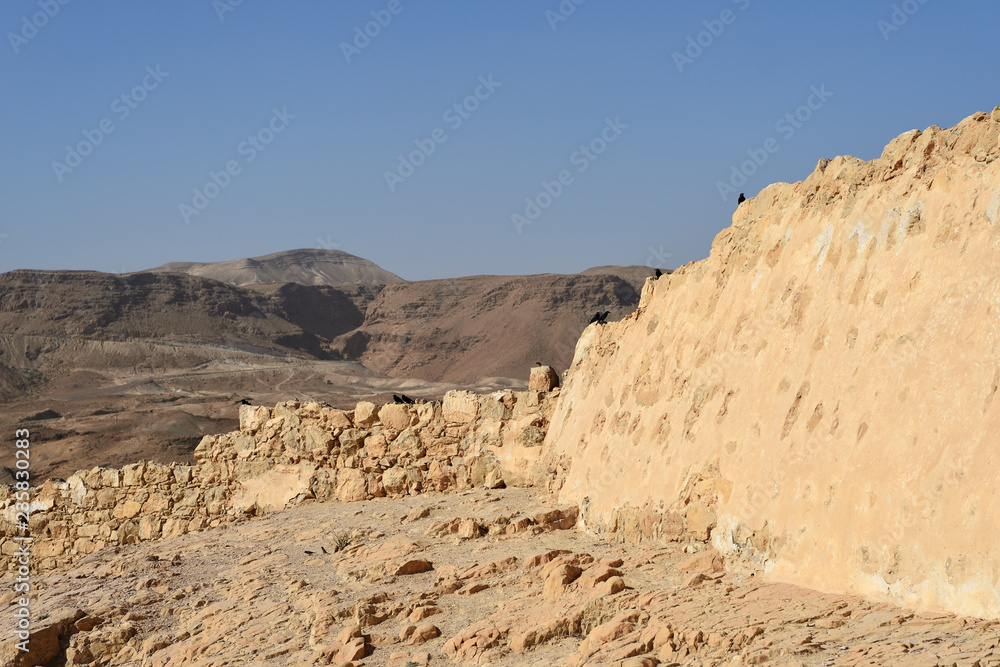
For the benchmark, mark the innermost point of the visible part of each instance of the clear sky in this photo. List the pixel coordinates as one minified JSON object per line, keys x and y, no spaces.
{"x":114,"y":113}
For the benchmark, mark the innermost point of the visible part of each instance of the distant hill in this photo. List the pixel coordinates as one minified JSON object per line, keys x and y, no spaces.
{"x":60,"y":306}
{"x":467,"y":329}
{"x":453,"y":330}
{"x":306,"y":266}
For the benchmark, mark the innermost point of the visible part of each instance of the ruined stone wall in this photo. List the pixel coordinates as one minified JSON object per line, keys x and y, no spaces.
{"x":820,"y":392}
{"x":284,"y":455}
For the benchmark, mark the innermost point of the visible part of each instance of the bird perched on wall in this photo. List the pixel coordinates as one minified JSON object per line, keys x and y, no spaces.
{"x":741,"y":199}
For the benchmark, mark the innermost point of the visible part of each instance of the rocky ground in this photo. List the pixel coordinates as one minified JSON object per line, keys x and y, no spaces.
{"x":480,"y":577}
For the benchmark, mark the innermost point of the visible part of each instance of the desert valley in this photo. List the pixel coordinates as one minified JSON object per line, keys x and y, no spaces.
{"x":783,"y":454}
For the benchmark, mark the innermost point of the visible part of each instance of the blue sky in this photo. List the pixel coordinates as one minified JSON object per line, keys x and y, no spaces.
{"x":209,"y":84}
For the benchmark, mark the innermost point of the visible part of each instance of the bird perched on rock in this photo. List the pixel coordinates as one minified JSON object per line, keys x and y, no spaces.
{"x":600,"y":318}
{"x":658,"y":273}
{"x":741,"y":199}
{"x":397,"y":400}
{"x":244,"y":402}
{"x":406,"y":399}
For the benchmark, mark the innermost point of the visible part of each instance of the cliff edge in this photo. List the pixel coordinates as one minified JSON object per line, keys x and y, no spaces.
{"x":816,"y":398}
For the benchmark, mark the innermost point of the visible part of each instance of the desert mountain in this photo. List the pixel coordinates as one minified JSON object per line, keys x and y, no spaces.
{"x":43,"y":309}
{"x":463,"y":329}
{"x":306,"y":266}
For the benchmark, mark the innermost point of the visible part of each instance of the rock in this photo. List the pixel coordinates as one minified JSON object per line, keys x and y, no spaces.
{"x":394,"y":416}
{"x":611,"y":586}
{"x":353,"y":650}
{"x":43,"y":640}
{"x":420,"y":613}
{"x":365,"y":413}
{"x":558,"y":579}
{"x":543,"y":378}
{"x":709,"y":562}
{"x":700,"y":521}
{"x":460,"y":407}
{"x":494,"y":480}
{"x":349,"y":633}
{"x":415,"y":566}
{"x":423,"y":633}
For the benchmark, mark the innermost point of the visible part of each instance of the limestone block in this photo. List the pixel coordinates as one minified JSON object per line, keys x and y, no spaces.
{"x":365,"y":413}
{"x":460,"y":406}
{"x":253,"y":417}
{"x":336,"y":418}
{"x":395,"y":416}
{"x":543,"y":378}
{"x":127,"y":510}
{"x":156,"y":473}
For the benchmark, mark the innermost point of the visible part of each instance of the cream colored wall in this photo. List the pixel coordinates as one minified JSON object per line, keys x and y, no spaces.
{"x":831,"y":368}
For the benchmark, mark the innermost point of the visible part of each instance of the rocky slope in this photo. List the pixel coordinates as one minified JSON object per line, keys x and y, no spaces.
{"x":464,"y":329}
{"x":820,"y":391}
{"x":264,"y":593}
{"x":306,"y":266}
{"x":39,"y":305}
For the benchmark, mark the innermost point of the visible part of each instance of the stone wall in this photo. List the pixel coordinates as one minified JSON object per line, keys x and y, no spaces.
{"x":284,"y":455}
{"x":821,"y":391}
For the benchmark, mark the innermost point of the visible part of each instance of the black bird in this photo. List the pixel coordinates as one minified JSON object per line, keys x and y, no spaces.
{"x":659,"y":273}
{"x":742,"y":199}
{"x":604,"y":317}
{"x":309,"y":552}
{"x":244,"y":402}
{"x":323,"y":550}
{"x":406,"y":399}
{"x":538,"y":363}
{"x":595,"y":318}
{"x":397,"y":400}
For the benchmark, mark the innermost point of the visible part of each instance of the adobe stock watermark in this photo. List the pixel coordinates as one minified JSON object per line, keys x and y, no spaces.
{"x":20,"y":516}
{"x":581,"y":158}
{"x":381,"y":18}
{"x":327,"y":243}
{"x":454,"y":116}
{"x":249,"y":149}
{"x":563,"y":11}
{"x":786,"y":126}
{"x":658,"y":257}
{"x":31,"y":25}
{"x":696,"y":44}
{"x":223,"y":7}
{"x":899,"y":17}
{"x":122,"y":107}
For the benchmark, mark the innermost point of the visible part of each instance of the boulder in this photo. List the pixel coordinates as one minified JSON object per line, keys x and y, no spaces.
{"x":543,"y":378}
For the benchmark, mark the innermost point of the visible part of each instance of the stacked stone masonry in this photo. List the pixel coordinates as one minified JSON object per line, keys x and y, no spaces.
{"x":284,"y":455}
